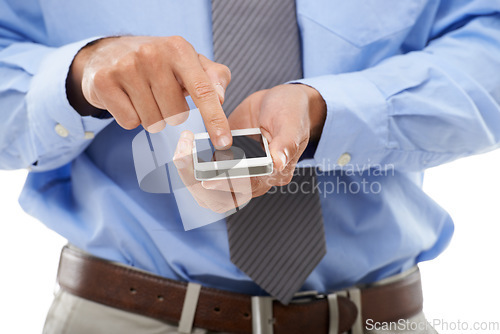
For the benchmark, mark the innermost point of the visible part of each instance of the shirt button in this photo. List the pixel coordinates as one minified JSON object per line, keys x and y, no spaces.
{"x":344,"y":159}
{"x":88,"y":135}
{"x":61,"y":131}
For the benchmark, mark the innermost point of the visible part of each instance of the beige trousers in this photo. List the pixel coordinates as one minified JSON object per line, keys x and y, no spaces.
{"x":70,"y":314}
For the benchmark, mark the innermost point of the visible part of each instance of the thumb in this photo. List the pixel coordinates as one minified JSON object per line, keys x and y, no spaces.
{"x":281,"y":153}
{"x":219,"y":74}
{"x":285,"y":145}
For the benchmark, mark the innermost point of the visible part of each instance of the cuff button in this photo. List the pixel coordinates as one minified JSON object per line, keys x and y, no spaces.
{"x":88,"y":135}
{"x":344,"y":159}
{"x":61,"y":131}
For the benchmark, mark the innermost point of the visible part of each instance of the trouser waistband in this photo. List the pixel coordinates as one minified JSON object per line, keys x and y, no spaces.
{"x":191,"y":305}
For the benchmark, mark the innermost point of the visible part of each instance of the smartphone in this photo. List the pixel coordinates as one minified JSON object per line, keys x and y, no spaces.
{"x":249,"y":156}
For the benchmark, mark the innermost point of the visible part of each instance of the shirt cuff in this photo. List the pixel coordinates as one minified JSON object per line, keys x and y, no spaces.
{"x":355,"y":131}
{"x":56,"y":124}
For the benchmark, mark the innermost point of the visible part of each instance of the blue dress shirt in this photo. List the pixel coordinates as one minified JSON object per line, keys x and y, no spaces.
{"x":408,"y":85}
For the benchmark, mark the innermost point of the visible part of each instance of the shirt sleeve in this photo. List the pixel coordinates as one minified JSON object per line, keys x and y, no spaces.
{"x":420,"y":109}
{"x":39,"y":129}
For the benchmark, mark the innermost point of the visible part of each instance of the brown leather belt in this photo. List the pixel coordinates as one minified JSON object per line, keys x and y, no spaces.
{"x":142,"y":293}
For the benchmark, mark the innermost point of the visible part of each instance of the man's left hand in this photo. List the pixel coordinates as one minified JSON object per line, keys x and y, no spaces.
{"x":289,"y":116}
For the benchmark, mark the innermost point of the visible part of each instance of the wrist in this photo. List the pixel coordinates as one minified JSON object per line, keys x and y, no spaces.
{"x":74,"y":91}
{"x":317,"y":111}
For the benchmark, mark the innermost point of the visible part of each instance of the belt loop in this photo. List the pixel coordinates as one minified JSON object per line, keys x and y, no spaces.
{"x":333,"y":308}
{"x":342,"y":293}
{"x":189,"y":308}
{"x":355,"y":297}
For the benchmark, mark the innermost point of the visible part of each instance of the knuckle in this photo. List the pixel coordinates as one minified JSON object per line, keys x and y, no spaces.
{"x":224,"y":71}
{"x":216,"y":122}
{"x":147,"y":52}
{"x":203,"y":91}
{"x":127,"y":64}
{"x":178,"y":44}
{"x":102,"y":79}
{"x":176,"y":39}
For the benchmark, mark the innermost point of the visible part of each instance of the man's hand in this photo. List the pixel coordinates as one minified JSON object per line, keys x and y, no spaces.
{"x":289,"y":116}
{"x":144,"y":80}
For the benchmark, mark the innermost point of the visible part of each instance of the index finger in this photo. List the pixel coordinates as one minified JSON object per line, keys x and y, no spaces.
{"x":202,"y":91}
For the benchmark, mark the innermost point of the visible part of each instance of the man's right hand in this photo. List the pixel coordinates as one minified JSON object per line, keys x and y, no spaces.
{"x":144,"y":80}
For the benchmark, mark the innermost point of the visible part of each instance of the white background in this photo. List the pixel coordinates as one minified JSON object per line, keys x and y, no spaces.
{"x":460,"y":285}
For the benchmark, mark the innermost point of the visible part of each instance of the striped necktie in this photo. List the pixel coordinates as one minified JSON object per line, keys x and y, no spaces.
{"x":277,"y":239}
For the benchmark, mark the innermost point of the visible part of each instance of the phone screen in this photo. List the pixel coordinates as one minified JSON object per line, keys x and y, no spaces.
{"x":244,"y":147}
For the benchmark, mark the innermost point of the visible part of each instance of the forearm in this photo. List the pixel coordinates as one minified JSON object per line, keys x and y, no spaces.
{"x":39,"y":129}
{"x":417,"y":110}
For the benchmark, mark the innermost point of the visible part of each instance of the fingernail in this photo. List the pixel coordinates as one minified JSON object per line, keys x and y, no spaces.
{"x":282,"y":158}
{"x":206,"y":185}
{"x":220,"y":91}
{"x":157,"y":127}
{"x":223,"y":142}
{"x":184,"y":134}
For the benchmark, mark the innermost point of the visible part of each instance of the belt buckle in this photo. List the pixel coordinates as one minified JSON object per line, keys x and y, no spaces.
{"x":262,"y":315}
{"x":303,"y":297}
{"x":262,"y":310}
